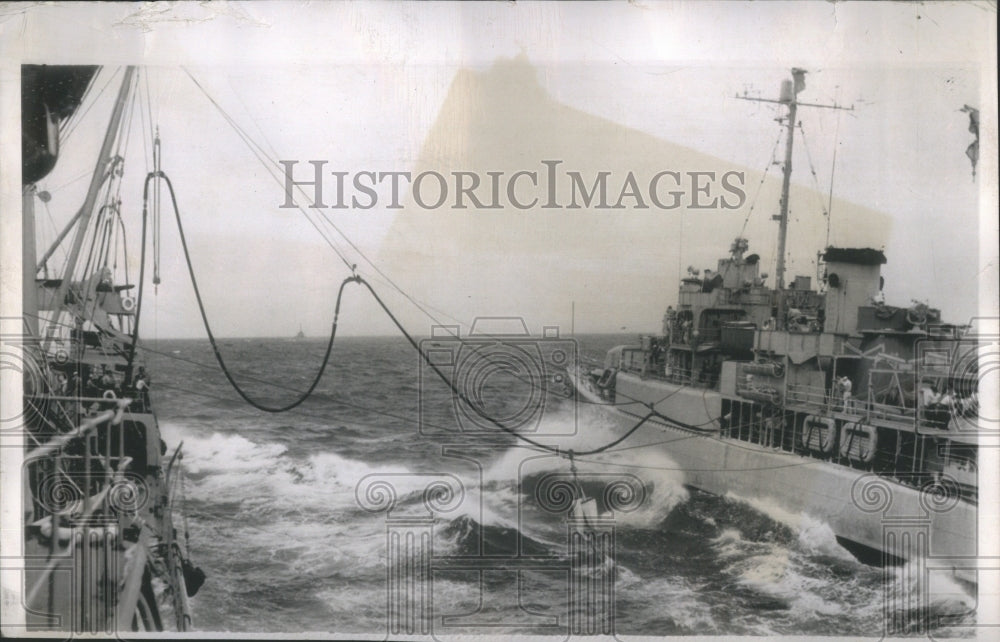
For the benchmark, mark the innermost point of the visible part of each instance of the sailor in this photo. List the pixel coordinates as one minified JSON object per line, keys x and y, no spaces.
{"x":73,"y":384}
{"x":93,"y":387}
{"x":104,"y":280}
{"x":107,"y":380}
{"x":62,"y":384}
{"x":845,"y":386}
{"x":142,"y":387}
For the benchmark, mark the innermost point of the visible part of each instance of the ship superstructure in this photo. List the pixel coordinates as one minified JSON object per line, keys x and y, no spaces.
{"x":818,"y":396}
{"x":99,"y":482}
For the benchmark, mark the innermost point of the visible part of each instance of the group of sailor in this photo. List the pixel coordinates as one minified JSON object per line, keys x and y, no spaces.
{"x":101,"y":384}
{"x":940,"y":407}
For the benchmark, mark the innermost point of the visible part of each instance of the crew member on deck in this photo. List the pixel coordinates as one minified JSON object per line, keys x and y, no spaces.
{"x":845,"y":386}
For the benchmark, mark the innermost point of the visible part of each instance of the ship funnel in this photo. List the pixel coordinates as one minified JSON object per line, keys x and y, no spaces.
{"x":853,"y":277}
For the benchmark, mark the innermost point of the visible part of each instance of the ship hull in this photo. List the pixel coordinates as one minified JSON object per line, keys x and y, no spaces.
{"x":873,"y":516}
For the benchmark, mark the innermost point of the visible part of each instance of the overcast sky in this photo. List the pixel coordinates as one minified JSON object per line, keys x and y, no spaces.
{"x":383,"y":87}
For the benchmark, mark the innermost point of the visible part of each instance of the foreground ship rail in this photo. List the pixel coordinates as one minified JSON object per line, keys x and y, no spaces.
{"x":826,"y":401}
{"x":99,"y":488}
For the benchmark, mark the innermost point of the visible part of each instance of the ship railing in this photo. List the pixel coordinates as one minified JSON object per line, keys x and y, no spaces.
{"x":887,"y":411}
{"x":76,"y":484}
{"x":864,"y":408}
{"x":680,"y":376}
{"x":815,"y":396}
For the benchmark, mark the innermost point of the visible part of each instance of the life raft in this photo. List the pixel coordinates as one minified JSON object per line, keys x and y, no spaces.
{"x":819,"y":434}
{"x":858,"y":442}
{"x":766,"y":368}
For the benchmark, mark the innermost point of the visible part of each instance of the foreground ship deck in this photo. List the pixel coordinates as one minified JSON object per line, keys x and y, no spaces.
{"x":103,"y":555}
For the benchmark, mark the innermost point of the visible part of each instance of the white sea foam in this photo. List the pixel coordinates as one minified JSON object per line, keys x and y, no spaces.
{"x":814,"y":535}
{"x":673,"y":598}
{"x":660,"y":477}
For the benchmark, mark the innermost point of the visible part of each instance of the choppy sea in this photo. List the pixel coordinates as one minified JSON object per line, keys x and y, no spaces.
{"x":290,"y":543}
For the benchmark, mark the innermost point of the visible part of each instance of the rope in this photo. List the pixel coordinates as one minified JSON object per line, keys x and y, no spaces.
{"x":204,"y":316}
{"x":354,"y":278}
{"x":333,"y":333}
{"x":753,"y":202}
{"x":812,"y":170}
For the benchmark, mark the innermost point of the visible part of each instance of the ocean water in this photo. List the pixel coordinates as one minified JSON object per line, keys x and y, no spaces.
{"x":279,"y":519}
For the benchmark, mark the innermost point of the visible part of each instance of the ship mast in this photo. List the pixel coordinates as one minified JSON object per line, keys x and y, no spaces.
{"x":789,"y":97}
{"x":96,"y":181}
{"x":798,"y":83}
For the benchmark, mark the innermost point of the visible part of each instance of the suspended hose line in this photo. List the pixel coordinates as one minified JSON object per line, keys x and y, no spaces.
{"x":355,"y":278}
{"x":204,"y":316}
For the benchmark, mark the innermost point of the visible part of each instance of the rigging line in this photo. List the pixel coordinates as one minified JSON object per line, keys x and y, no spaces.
{"x":812,"y":170}
{"x":69,"y":132}
{"x":76,"y":179}
{"x":271,"y":167}
{"x":55,"y":229}
{"x":114,"y":250}
{"x":269,"y":164}
{"x":326,"y":358}
{"x":275,"y":174}
{"x":149,"y":101}
{"x":121,"y":222}
{"x":833,"y":167}
{"x":654,"y":443}
{"x":147,"y":127}
{"x":271,"y":149}
{"x":760,"y":186}
{"x":425,"y":357}
{"x":248,"y":141}
{"x":261,"y":157}
{"x":64,"y":126}
{"x":320,"y":396}
{"x":204,"y":315}
{"x":753,"y":202}
{"x":90,"y":251}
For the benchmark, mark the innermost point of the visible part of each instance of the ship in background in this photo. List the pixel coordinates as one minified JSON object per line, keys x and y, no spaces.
{"x":819,"y":398}
{"x":99,"y":484}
